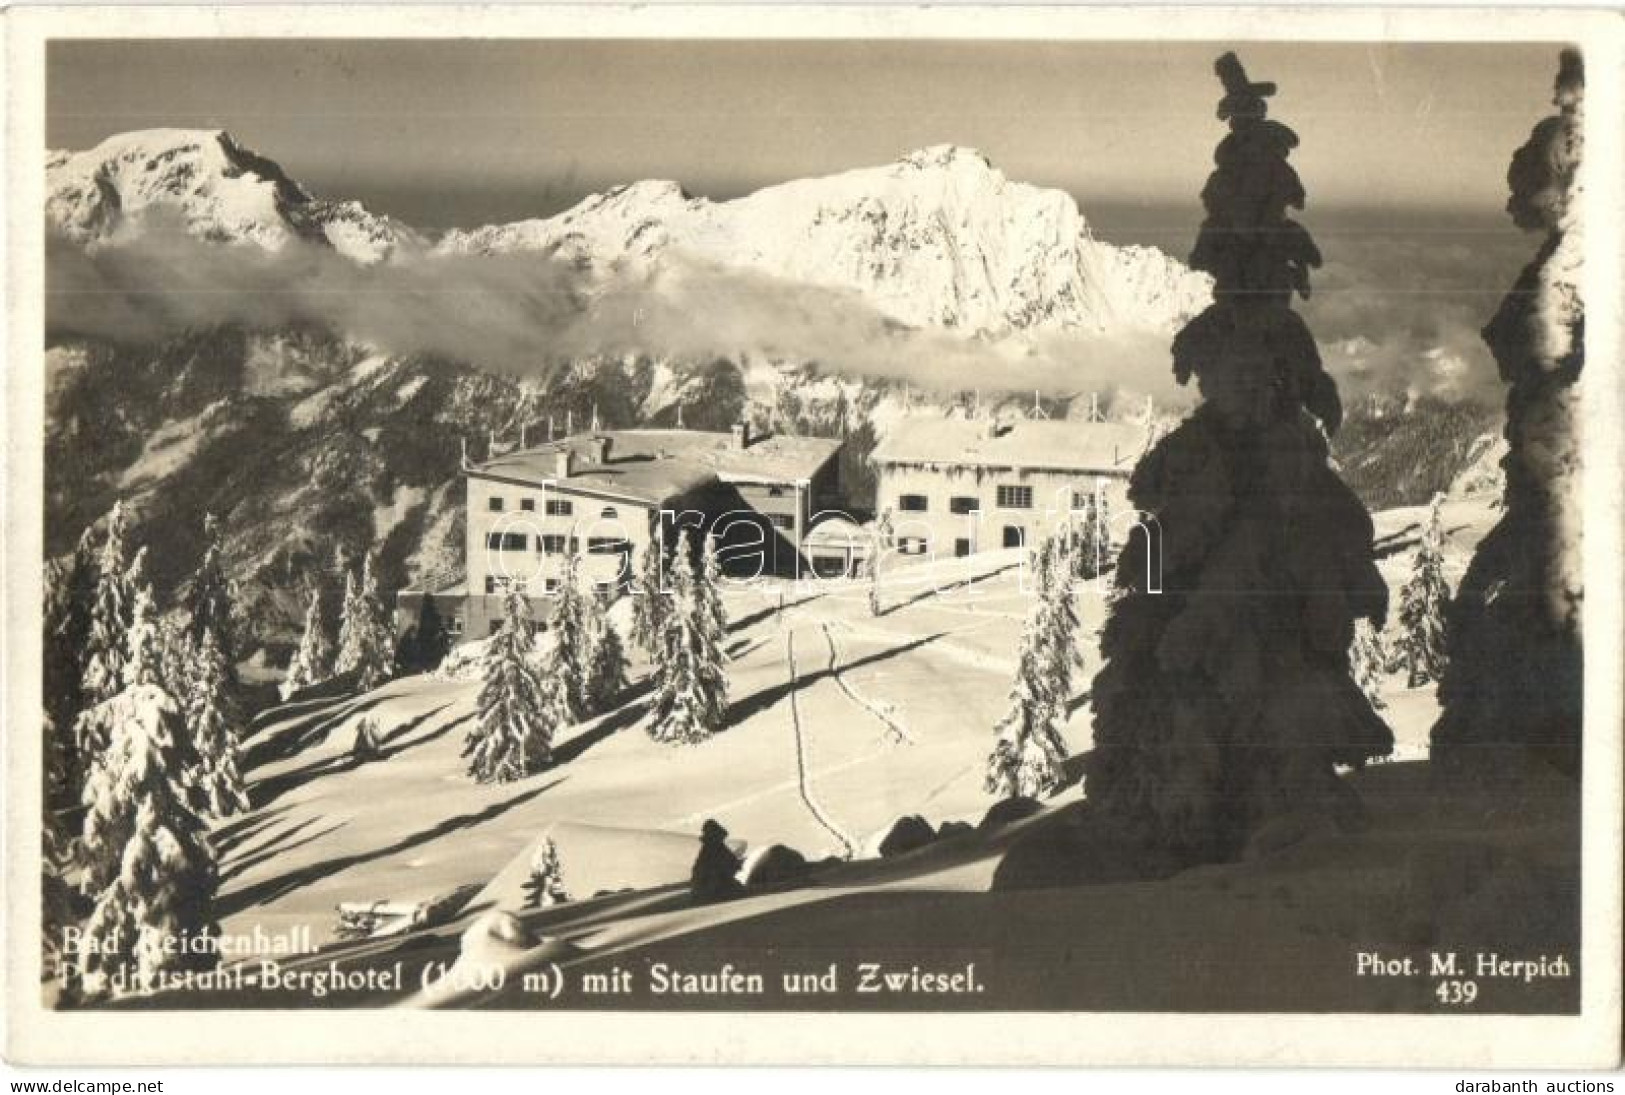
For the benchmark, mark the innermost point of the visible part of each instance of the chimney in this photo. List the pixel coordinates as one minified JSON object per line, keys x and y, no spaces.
{"x":600,"y":449}
{"x":563,"y":462}
{"x":741,"y":432}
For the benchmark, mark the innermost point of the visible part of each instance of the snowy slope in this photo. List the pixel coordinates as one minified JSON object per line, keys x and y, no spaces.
{"x":218,"y":190}
{"x":939,"y":238}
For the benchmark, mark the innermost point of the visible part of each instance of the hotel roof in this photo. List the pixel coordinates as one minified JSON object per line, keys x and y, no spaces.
{"x":657,"y":465}
{"x":1047,"y":444}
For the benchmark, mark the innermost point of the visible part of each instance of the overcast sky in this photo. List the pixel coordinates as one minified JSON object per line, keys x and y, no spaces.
{"x":467,"y":132}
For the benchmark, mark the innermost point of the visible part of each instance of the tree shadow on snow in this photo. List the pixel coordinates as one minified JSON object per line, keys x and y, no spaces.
{"x":760,"y":701}
{"x":268,"y":790}
{"x":243,"y":829}
{"x":299,"y":736}
{"x":280,"y":844}
{"x":284,"y":884}
{"x":963,"y":583}
{"x":761,"y":614}
{"x":633,"y":706}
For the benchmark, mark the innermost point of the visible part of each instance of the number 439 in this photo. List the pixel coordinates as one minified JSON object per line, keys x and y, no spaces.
{"x":1457,"y":992}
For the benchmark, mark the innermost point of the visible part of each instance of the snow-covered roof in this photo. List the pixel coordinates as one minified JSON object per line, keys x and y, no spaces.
{"x":657,"y":465}
{"x":1048,"y":444}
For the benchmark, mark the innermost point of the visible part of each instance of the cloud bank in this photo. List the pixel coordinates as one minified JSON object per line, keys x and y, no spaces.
{"x":1391,"y":315}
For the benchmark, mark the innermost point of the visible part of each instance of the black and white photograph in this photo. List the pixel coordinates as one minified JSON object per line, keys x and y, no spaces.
{"x":893,"y":522}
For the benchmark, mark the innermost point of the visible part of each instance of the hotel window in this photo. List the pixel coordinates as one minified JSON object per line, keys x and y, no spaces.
{"x":506,"y":541}
{"x":551,"y":545}
{"x":608,"y":513}
{"x":912,"y":503}
{"x":528,"y":504}
{"x":781,"y":520}
{"x":550,"y":584}
{"x":1015,"y":498}
{"x":490,"y":585}
{"x":494,"y":504}
{"x":559,"y":507}
{"x":456,"y":625}
{"x":775,"y":492}
{"x":964,"y":503}
{"x":911,"y":545}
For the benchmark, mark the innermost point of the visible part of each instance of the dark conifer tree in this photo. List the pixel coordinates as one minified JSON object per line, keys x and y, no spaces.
{"x":426,"y":643}
{"x":208,"y":595}
{"x":70,"y":591}
{"x":1228,"y":697}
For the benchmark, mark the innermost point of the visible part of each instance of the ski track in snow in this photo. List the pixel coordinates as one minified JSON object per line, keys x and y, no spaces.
{"x":895,"y":731}
{"x":803,"y":764}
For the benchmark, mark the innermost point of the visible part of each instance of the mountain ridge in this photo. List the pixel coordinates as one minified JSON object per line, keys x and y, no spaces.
{"x":938,"y":238}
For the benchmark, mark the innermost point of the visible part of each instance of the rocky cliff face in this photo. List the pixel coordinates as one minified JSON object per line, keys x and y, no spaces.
{"x":1514,"y":682}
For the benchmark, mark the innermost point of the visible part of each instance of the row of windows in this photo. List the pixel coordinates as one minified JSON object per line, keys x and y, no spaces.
{"x":556,"y":545}
{"x":1012,"y":536}
{"x":556,"y":507}
{"x":494,"y":585}
{"x":1007,"y":497}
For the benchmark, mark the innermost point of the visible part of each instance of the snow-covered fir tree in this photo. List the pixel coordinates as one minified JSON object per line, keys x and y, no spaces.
{"x":713,"y":613}
{"x":366,"y":640}
{"x":1061,"y":588}
{"x":103,"y":665}
{"x":213,"y":718}
{"x":566,"y":662}
{"x":651,"y":603}
{"x":146,"y":861}
{"x":348,"y":654}
{"x":1422,"y":604}
{"x":1028,"y":755}
{"x":1368,"y":660}
{"x":1091,"y":541}
{"x":176,"y":654}
{"x":379,"y":665}
{"x":1204,"y":726}
{"x":690,"y":684}
{"x":606,"y":657}
{"x":111,"y":619}
{"x":313,"y":661}
{"x":512,"y":736}
{"x":545,"y":887}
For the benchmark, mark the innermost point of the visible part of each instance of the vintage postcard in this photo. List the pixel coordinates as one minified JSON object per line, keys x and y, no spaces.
{"x":803,"y":534}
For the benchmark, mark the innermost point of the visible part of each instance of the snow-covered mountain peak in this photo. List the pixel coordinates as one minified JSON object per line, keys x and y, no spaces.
{"x":946,"y":155}
{"x":218,"y":189}
{"x":937,"y":238}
